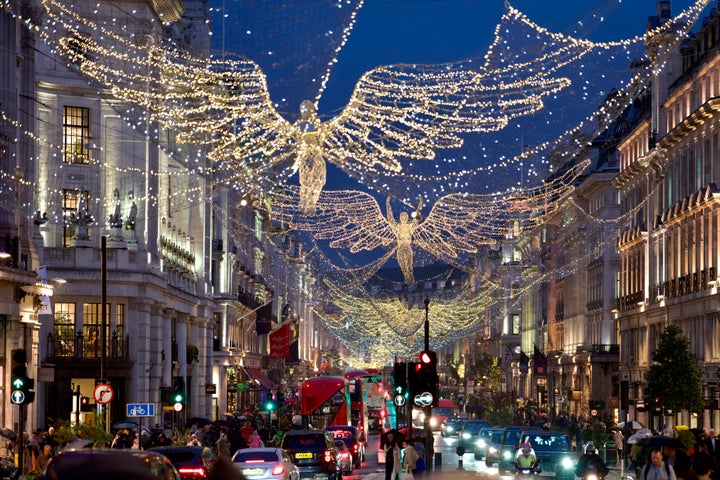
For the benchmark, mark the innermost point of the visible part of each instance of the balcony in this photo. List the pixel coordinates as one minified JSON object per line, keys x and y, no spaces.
{"x":81,"y":346}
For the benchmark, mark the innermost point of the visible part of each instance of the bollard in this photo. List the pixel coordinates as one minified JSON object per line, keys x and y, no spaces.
{"x":460,"y":450}
{"x":438,"y":461}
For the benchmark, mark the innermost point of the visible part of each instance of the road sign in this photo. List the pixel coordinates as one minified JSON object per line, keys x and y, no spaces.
{"x":140,"y":410}
{"x":103,"y":394}
{"x":17,"y":397}
{"x":399,"y":400}
{"x":424,"y":399}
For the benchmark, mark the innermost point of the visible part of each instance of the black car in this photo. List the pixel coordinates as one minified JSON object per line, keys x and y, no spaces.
{"x":451,"y":426}
{"x":313,"y":451}
{"x":109,"y":464}
{"x":191,"y":462}
{"x":552,"y":449}
{"x":353,"y":439}
{"x":470,"y":433}
{"x":484,"y":441}
{"x":510,"y":444}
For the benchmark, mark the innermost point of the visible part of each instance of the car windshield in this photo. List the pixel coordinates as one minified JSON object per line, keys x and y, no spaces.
{"x":299,"y":443}
{"x":497,"y":437}
{"x":512,"y":437}
{"x":443,"y":411}
{"x":545,"y":442}
{"x":256,"y":456}
{"x":474,"y":427}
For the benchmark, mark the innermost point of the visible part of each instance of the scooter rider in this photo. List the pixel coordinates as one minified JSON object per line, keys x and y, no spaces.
{"x":525,"y":457}
{"x":591,"y":459}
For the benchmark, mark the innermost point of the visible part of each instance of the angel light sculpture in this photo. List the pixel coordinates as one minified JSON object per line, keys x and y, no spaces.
{"x":395,"y":112}
{"x":352,"y":220}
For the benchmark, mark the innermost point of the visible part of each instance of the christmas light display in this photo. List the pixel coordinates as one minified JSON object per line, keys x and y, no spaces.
{"x":396,"y":115}
{"x":352,"y":220}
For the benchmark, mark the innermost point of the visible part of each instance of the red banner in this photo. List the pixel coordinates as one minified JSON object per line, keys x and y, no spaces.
{"x":280,"y":342}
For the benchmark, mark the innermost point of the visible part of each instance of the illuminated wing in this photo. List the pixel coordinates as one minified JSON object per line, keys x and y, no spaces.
{"x":222,"y":104}
{"x":413,"y":110}
{"x":350,"y":219}
{"x":462,"y":222}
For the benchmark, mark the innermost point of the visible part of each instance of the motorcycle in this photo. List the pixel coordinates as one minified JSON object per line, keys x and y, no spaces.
{"x":527,"y":473}
{"x":591,"y":473}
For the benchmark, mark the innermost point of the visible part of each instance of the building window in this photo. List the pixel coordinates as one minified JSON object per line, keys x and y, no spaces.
{"x":71,"y":206}
{"x":515,"y":324}
{"x":92,"y":321}
{"x":76,"y":135}
{"x":64,"y":330}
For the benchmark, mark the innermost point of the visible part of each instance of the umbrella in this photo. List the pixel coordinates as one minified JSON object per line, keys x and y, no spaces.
{"x":8,"y":433}
{"x":661,"y":441}
{"x":78,"y":443}
{"x":642,"y":433}
{"x":120,"y":425}
{"x":632,"y":425}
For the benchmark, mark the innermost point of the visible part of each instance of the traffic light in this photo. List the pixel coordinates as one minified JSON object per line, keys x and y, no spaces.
{"x":22,"y":386}
{"x":270,"y":405}
{"x":85,"y":404}
{"x":424,"y":380}
{"x":178,"y":397}
{"x":400,"y":392}
{"x":657,"y":405}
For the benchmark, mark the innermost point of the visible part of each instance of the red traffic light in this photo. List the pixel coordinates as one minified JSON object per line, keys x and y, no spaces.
{"x":428,"y":357}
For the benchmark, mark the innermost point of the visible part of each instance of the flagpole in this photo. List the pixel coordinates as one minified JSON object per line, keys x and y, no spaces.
{"x":253,"y":311}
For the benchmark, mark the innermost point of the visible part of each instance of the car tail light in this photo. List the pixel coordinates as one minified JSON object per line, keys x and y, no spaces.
{"x":194,"y":471}
{"x":355,"y":447}
{"x":345,"y":455}
{"x":328,"y":456}
{"x":278,"y":469}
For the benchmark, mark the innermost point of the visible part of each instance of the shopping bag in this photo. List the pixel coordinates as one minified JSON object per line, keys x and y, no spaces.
{"x":420,"y":464}
{"x":381,"y":456}
{"x":406,"y":476}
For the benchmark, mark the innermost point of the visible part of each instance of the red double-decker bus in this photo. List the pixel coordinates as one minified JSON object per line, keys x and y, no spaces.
{"x":325,"y":401}
{"x":366,"y":397}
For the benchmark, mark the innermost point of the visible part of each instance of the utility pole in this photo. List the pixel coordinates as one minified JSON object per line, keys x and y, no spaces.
{"x":429,"y":450}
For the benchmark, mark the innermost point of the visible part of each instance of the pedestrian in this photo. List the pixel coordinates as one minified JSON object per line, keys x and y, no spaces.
{"x":419,"y":445}
{"x":223,"y":446}
{"x":44,"y":458}
{"x":410,"y":458}
{"x":392,"y":458}
{"x":656,"y":468}
{"x":255,"y":441}
{"x":619,"y":440}
{"x":194,"y":440}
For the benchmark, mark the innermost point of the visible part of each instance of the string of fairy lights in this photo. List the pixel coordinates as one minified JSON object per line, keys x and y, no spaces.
{"x":396,"y":114}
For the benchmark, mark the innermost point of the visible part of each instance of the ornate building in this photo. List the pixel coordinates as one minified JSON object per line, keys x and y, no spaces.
{"x":669,"y":170}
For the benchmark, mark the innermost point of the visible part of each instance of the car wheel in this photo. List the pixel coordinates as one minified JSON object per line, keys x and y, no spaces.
{"x":478,"y":456}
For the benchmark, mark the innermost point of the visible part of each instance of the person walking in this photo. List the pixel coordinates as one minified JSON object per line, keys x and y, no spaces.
{"x":410,"y":458}
{"x":392,"y":458}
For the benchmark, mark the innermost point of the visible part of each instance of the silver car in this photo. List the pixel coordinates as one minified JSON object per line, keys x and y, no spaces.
{"x":266,"y":463}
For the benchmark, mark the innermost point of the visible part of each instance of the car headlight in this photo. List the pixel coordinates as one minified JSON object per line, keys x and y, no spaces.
{"x":507,"y":455}
{"x":481,"y":443}
{"x":433,"y":421}
{"x":492,"y":449}
{"x":448,"y":429}
{"x":466,"y":436}
{"x":567,"y":463}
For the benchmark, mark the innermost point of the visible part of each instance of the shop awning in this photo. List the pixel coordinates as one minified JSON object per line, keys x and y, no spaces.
{"x":257,"y":374}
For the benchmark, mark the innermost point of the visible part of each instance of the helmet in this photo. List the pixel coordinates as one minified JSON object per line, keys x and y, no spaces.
{"x":526,"y":447}
{"x":590,"y":448}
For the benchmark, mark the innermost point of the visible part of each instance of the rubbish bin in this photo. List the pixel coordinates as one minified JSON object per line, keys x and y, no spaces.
{"x":610,"y":452}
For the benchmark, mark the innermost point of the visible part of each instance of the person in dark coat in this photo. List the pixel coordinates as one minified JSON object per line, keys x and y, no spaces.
{"x":677,"y":458}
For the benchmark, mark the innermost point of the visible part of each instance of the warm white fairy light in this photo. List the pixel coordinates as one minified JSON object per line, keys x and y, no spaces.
{"x":352,"y":220}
